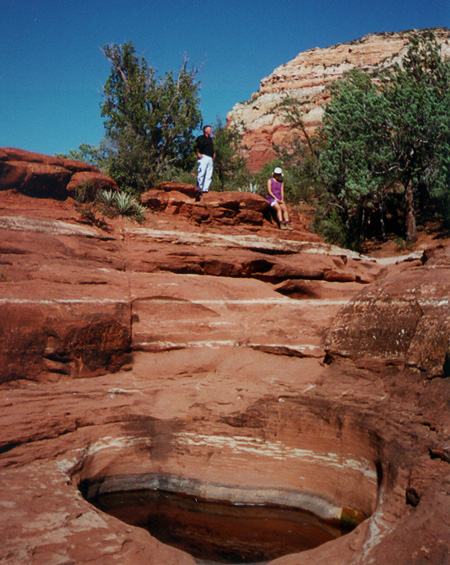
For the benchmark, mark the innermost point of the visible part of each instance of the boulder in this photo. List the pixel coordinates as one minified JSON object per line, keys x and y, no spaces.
{"x":34,"y":179}
{"x":20,"y":155}
{"x":227,"y":208}
{"x":44,"y":176}
{"x":95,"y":180}
{"x":185,"y":188}
{"x":400,"y":319}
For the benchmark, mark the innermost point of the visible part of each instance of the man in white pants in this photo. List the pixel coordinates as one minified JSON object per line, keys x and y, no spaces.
{"x":205,"y":154}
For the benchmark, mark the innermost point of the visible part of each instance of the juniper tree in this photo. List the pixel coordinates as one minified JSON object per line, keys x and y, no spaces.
{"x":299,"y":156}
{"x":355,"y":158}
{"x":390,"y":132}
{"x":418,"y":125}
{"x":230,"y":165}
{"x":149,"y":120}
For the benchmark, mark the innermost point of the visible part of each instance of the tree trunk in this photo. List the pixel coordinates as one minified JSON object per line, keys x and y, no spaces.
{"x":411,"y":228}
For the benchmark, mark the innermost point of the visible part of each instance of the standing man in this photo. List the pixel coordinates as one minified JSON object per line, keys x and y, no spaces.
{"x":205,"y":154}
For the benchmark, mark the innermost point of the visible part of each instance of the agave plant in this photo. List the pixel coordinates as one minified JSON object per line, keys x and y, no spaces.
{"x":139,"y":209}
{"x":108,"y":196}
{"x":253,"y":187}
{"x":125,"y":202}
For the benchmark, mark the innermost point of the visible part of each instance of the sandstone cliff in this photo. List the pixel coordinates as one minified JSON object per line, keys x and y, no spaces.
{"x":205,"y":353}
{"x":306,"y":78}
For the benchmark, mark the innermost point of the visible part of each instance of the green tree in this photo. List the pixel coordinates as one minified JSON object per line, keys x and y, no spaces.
{"x":299,"y":157}
{"x":96,"y":156}
{"x":230,"y":165}
{"x":149,"y":121}
{"x":418,"y":125}
{"x":355,"y":157}
{"x":388,"y":133}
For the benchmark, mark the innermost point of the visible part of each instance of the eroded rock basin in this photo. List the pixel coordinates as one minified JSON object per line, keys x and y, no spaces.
{"x":276,"y":480}
{"x":233,"y":369}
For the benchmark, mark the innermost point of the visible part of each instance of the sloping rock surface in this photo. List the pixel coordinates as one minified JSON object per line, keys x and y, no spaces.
{"x":306,"y":79}
{"x":222,"y":361}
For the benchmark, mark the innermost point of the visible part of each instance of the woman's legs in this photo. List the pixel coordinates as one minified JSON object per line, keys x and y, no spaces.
{"x":282,"y":214}
{"x":277,"y":208}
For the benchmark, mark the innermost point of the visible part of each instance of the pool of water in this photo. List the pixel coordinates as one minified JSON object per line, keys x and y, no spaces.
{"x":220,"y":532}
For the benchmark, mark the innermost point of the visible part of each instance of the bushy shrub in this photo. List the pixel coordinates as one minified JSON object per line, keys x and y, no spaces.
{"x":86,"y":192}
{"x":329,"y":225}
{"x":230,"y":166}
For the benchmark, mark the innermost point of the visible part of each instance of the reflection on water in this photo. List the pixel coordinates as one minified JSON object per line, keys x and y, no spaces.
{"x":220,"y":532}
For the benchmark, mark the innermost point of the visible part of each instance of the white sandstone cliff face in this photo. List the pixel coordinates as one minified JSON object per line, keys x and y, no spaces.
{"x":307,"y":78}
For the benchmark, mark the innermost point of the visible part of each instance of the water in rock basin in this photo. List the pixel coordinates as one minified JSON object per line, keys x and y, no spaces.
{"x":220,"y":532}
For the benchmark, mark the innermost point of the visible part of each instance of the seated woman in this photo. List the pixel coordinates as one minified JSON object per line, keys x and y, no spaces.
{"x":275,"y":196}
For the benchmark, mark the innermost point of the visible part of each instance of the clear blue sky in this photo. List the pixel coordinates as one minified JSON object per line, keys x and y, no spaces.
{"x":52,"y":70}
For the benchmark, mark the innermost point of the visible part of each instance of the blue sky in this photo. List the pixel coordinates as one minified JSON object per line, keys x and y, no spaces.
{"x":52,"y":69}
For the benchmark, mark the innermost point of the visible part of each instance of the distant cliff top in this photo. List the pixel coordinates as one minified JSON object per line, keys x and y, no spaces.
{"x":306,"y":78}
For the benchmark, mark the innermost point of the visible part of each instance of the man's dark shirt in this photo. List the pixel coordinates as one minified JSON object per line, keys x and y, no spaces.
{"x":205,"y":145}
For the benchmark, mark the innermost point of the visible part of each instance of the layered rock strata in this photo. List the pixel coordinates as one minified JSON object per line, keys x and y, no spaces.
{"x":218,"y":361}
{"x":306,"y":78}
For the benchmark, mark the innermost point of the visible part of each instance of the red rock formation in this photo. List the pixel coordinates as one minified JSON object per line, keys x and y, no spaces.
{"x":35,"y":174}
{"x":419,"y":331}
{"x":306,"y":79}
{"x":220,"y":361}
{"x":216,"y":208}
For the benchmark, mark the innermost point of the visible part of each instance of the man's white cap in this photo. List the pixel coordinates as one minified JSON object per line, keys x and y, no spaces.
{"x":277,"y":171}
